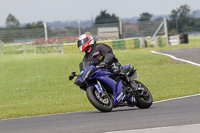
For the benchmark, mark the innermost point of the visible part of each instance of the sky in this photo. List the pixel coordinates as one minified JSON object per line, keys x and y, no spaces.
{"x":28,"y":11}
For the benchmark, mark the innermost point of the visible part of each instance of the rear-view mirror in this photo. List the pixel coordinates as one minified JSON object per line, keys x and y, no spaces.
{"x":71,"y":76}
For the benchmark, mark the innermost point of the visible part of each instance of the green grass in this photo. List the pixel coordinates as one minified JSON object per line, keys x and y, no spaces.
{"x":38,"y":84}
{"x":32,"y":85}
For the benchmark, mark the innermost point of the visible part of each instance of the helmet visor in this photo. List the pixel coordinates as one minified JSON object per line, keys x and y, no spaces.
{"x":79,"y":43}
{"x":80,"y":48}
{"x":82,"y":42}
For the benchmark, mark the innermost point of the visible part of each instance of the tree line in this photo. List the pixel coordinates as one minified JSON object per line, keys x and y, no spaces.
{"x":179,"y":21}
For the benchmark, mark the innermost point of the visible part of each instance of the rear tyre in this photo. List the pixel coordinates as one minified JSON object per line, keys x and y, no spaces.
{"x":145,"y":100}
{"x":102,"y":104}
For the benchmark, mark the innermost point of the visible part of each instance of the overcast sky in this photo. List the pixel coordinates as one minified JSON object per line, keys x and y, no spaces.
{"x":60,"y":10}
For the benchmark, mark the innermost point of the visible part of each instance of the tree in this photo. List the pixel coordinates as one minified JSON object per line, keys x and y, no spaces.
{"x":39,"y":24}
{"x":179,"y":18}
{"x":106,"y":18}
{"x":145,"y":16}
{"x":12,"y":22}
{"x":184,"y":11}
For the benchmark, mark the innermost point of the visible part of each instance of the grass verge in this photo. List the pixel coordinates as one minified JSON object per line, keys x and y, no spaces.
{"x":38,"y":84}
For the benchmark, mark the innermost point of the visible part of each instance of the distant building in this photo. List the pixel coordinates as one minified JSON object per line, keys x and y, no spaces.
{"x":108,"y":33}
{"x":130,"y":30}
{"x":128,"y":26}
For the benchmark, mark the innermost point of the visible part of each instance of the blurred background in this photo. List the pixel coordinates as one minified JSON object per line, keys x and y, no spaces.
{"x":38,"y":49}
{"x":48,"y":22}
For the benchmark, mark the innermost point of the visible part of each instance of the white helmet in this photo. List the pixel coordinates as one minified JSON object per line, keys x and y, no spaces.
{"x":85,"y":41}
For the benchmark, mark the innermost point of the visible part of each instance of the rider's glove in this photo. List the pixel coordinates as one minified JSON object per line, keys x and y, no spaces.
{"x":102,"y":64}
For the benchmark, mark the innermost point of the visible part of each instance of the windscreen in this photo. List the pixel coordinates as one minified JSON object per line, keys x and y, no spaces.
{"x":83,"y":65}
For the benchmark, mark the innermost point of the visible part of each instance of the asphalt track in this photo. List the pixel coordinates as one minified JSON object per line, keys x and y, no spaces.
{"x":192,"y":54}
{"x":176,"y":113}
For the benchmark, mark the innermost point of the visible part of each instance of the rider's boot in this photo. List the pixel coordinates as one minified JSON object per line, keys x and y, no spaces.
{"x":133,"y":85}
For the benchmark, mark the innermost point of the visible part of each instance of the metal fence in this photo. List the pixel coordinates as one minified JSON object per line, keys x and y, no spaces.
{"x":23,"y":48}
{"x":70,"y":34}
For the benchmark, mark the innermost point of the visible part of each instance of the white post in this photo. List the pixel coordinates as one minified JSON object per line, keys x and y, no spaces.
{"x":45,"y":31}
{"x":35,"y":49}
{"x":154,"y":35}
{"x":165,"y":28}
{"x":1,"y":49}
{"x":120,"y":28}
{"x":24,"y":48}
{"x":62,"y":48}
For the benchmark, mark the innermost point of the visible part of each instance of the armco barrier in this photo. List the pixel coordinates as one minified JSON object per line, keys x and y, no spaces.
{"x":122,"y":44}
{"x":118,"y":44}
{"x":107,"y":42}
{"x":164,"y":40}
{"x":160,"y":41}
{"x":148,"y":41}
{"x":129,"y":43}
{"x":137,"y":42}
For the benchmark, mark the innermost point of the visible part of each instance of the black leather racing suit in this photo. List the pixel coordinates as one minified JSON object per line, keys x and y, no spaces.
{"x":106,"y":55}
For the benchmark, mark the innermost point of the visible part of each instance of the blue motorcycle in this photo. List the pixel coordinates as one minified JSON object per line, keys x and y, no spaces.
{"x":106,"y":91}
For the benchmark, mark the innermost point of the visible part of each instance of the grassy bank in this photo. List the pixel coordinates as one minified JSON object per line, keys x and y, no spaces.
{"x":38,"y":84}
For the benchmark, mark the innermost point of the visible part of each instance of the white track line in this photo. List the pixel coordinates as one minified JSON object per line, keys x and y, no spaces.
{"x":194,"y":128}
{"x":175,"y":58}
{"x":176,"y":98}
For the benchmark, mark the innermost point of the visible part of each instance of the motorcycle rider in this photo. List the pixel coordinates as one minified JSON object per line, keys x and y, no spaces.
{"x":106,"y":57}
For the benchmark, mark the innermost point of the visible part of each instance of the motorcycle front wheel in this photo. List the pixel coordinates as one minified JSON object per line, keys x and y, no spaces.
{"x":144,"y":100}
{"x":104,"y":104}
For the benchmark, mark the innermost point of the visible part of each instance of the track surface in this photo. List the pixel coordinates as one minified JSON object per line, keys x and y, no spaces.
{"x":192,"y":54}
{"x":169,"y":113}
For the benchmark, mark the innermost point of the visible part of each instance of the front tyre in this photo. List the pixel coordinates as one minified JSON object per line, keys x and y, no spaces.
{"x":144,"y":100}
{"x":102,"y":104}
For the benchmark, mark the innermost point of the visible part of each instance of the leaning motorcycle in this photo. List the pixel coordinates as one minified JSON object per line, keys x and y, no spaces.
{"x":106,"y":91}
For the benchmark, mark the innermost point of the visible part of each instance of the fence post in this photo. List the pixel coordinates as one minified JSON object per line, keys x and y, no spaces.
{"x":24,"y":48}
{"x":62,"y":48}
{"x":178,"y":39}
{"x":40,"y":48}
{"x":35,"y":49}
{"x":57,"y":47}
{"x":155,"y":41}
{"x":45,"y":31}
{"x":46,"y":51}
{"x":165,"y":29}
{"x":79,"y":28}
{"x":1,"y":49}
{"x":142,"y":42}
{"x":120,"y":28}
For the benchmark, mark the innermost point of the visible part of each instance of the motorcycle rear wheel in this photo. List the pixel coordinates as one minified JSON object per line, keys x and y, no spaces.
{"x":145,"y":100}
{"x":102,"y":104}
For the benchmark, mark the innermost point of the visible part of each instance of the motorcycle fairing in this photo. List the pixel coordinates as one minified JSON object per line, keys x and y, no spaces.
{"x":103,"y":76}
{"x":116,"y":86}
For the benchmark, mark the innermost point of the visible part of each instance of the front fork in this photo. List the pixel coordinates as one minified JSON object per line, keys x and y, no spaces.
{"x":100,"y":89}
